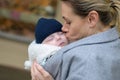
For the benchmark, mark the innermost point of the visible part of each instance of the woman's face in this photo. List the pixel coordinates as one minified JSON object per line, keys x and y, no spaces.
{"x":75,"y":27}
{"x":57,"y":39}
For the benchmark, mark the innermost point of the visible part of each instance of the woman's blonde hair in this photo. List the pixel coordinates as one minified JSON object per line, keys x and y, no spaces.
{"x":115,"y":12}
{"x":108,"y":10}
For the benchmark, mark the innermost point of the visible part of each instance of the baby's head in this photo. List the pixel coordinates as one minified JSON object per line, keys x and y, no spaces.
{"x":57,"y":39}
{"x":47,"y":29}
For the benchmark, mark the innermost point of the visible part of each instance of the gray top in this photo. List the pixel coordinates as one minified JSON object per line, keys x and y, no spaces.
{"x":96,"y":57}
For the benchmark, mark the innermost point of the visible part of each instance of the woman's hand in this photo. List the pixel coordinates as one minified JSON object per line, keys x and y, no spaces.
{"x":38,"y":73}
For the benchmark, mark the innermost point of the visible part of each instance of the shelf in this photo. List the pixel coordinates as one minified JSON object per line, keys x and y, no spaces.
{"x":15,"y":37}
{"x":20,"y":16}
{"x":26,"y":17}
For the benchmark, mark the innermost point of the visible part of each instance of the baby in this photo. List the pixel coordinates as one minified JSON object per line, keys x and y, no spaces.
{"x":48,"y":40}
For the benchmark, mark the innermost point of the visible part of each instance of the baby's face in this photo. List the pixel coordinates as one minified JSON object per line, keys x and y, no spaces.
{"x":57,"y":39}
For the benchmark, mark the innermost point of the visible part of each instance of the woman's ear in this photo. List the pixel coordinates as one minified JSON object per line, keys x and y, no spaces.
{"x":93,"y":18}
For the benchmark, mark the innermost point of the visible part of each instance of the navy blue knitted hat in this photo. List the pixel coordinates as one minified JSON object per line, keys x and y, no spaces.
{"x":45,"y":27}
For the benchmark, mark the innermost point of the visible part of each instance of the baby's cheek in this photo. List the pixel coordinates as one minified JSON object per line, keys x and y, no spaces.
{"x":53,"y":43}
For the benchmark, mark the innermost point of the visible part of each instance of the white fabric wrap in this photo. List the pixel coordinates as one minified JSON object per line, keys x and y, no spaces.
{"x":40,"y":53}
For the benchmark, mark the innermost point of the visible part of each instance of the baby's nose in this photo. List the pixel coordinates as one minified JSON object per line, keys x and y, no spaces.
{"x":57,"y":37}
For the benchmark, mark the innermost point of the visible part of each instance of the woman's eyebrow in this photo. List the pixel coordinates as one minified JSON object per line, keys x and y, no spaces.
{"x":66,"y":19}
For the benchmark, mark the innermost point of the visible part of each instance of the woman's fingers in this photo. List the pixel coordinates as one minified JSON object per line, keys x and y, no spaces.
{"x":38,"y":73}
{"x":40,"y":69}
{"x":44,"y":73}
{"x":33,"y":72}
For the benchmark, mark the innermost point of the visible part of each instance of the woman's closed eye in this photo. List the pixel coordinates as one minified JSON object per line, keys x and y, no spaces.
{"x":68,"y":22}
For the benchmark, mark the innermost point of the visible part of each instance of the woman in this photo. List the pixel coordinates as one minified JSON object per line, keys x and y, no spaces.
{"x":94,"y":49}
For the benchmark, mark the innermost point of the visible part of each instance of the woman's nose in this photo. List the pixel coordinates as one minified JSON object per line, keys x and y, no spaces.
{"x":64,"y":28}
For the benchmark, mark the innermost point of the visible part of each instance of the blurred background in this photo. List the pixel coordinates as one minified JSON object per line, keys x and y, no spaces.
{"x":17,"y":23}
